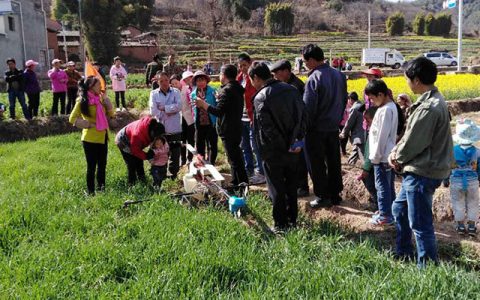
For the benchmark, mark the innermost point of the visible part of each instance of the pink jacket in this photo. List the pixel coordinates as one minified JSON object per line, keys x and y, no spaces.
{"x":118,"y":77}
{"x":345,"y":114}
{"x":161,"y":156}
{"x":59,"y":80}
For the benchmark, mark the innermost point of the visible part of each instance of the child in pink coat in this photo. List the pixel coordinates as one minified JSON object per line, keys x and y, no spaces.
{"x":118,"y":75}
{"x":160,"y":160}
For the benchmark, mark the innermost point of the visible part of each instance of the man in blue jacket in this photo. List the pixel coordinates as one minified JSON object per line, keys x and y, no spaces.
{"x":325,"y":98}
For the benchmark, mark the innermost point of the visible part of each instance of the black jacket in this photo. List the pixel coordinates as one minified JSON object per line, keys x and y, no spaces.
{"x":297,"y":82}
{"x":15,"y":80}
{"x":279,"y":118}
{"x":229,"y":110}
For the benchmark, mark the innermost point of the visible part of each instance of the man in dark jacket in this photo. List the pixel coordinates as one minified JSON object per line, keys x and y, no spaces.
{"x":282,"y":71}
{"x":325,"y":99}
{"x":229,"y":111}
{"x":152,"y":69}
{"x":279,"y":125}
{"x":15,"y":88}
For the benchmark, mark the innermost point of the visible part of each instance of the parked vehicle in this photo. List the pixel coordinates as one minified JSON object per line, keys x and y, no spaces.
{"x":441,"y":58}
{"x":382,"y":57}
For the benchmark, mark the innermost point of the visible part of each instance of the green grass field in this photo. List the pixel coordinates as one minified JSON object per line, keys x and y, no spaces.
{"x":55,"y":243}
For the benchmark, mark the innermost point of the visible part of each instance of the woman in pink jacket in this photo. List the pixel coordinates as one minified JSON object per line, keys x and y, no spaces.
{"x":118,"y":75}
{"x":59,"y":86}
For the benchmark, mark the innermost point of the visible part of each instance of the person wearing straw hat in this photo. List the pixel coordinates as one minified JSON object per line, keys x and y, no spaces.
{"x":118,"y":75}
{"x":59,"y":86}
{"x":72,"y":85}
{"x":188,"y":123}
{"x":205,"y":122}
{"x":32,"y":87}
{"x":464,"y":180}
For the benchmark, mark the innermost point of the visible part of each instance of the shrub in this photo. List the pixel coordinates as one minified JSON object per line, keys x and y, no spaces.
{"x":419,"y":24}
{"x":279,"y":18}
{"x":430,"y":25}
{"x":395,"y":24}
{"x":443,"y":24}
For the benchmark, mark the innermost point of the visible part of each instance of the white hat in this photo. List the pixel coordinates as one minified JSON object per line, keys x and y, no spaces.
{"x":31,"y":62}
{"x":71,"y":63}
{"x":56,"y":60}
{"x":187,"y":74}
{"x":466,"y":132}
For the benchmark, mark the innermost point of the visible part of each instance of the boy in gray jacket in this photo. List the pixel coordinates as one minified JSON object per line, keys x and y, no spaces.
{"x":354,"y":128}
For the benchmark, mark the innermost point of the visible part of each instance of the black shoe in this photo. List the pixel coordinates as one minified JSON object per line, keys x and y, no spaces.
{"x":472,"y":229}
{"x":460,"y":229}
{"x":319,"y":202}
{"x":336,"y":200}
{"x":302,"y":192}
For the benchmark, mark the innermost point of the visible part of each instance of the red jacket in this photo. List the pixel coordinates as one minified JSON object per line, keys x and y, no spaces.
{"x":248,"y":95}
{"x":137,"y":133}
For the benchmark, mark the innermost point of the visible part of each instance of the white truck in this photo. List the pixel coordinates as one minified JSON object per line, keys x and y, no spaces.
{"x":382,"y":57}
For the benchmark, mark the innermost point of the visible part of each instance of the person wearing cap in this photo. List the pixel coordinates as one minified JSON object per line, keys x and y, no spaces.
{"x":464,"y":180}
{"x":424,"y":155}
{"x":249,"y":145}
{"x":282,"y":71}
{"x":151,"y":71}
{"x":2,"y":110}
{"x":165,"y":106}
{"x":72,"y":85}
{"x":59,"y":81}
{"x":15,"y":88}
{"x":118,"y":75}
{"x":229,"y":111}
{"x":32,"y":87}
{"x":325,"y":98}
{"x":171,"y":67}
{"x":280,"y":123}
{"x":188,"y":123}
{"x":205,"y":122}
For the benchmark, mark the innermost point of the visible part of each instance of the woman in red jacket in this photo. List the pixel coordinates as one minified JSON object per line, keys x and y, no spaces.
{"x":131,"y":141}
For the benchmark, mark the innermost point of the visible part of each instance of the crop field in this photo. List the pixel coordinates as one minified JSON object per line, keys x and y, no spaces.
{"x":453,"y":87}
{"x":56,"y":243}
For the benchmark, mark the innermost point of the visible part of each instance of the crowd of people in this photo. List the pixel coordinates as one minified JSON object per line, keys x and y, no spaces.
{"x":279,"y":130}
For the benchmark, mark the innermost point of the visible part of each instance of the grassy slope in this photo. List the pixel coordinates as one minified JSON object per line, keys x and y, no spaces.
{"x":56,"y":243}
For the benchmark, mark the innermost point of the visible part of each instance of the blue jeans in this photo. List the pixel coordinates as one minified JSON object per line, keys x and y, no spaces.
{"x":249,"y":146}
{"x":412,"y":211}
{"x":384,"y":183}
{"x":20,"y":95}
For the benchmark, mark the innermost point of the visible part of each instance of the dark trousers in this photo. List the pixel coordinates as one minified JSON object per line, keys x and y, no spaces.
{"x":159,"y":173}
{"x":343,"y":142}
{"x":207,"y":134}
{"x":174,"y":142}
{"x":281,"y":174}
{"x":33,"y":104}
{"x":72,"y":94}
{"x":134,"y":167}
{"x":324,"y":163}
{"x":235,"y":159}
{"x":302,"y":172}
{"x":96,"y":156}
{"x":188,"y":136}
{"x":20,"y":95}
{"x":56,"y":98}
{"x":120,"y":95}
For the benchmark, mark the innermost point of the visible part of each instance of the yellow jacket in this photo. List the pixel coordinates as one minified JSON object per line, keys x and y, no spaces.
{"x":91,"y":135}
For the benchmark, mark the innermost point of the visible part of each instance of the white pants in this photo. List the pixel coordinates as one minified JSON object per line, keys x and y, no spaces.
{"x":465,"y":201}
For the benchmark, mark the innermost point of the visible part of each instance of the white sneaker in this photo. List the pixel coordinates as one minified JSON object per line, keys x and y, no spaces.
{"x":118,"y":109}
{"x":124,"y":109}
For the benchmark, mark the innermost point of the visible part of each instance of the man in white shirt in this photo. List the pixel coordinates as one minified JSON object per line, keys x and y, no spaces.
{"x":382,"y":139}
{"x":165,"y":106}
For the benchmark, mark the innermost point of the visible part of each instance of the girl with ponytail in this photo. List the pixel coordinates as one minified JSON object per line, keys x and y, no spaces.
{"x":90,"y":114}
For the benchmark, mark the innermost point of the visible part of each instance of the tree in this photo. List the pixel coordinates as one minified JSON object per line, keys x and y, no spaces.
{"x":101,"y":19}
{"x":279,"y":18}
{"x":137,"y":13}
{"x":430,"y":26}
{"x":443,"y":24}
{"x":419,"y":24}
{"x":395,"y":24}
